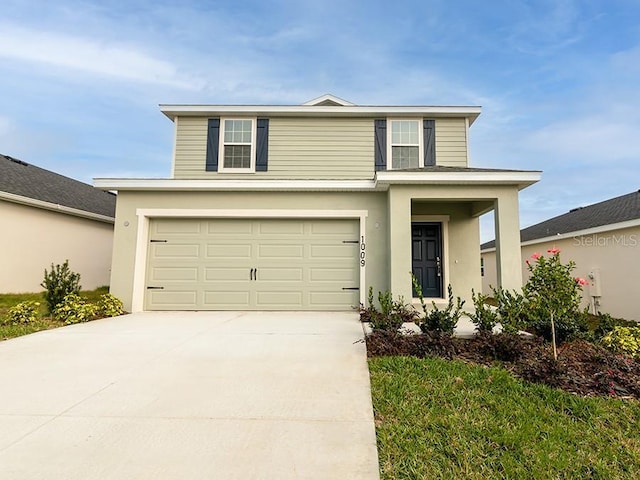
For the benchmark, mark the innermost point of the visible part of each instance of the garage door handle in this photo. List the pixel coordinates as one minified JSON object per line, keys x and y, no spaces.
{"x":351,"y":288}
{"x":251,"y":274}
{"x":155,"y":288}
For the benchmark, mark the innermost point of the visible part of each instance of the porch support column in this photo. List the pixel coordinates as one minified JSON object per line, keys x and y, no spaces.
{"x":400,"y":243}
{"x":507,"y":229}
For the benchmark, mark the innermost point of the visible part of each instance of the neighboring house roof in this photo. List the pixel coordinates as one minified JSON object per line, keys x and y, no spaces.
{"x":613,"y":211}
{"x":21,"y":179}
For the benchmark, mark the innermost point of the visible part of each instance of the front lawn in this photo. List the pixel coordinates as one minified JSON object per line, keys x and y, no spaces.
{"x":446,"y":419}
{"x":8,"y":300}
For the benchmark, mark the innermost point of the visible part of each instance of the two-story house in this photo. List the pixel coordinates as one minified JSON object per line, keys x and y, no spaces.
{"x":305,"y":207}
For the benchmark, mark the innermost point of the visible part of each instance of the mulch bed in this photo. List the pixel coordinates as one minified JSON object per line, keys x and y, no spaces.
{"x":583,"y":368}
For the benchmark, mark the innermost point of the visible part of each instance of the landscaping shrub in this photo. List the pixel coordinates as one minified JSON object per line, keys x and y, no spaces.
{"x":483,"y":317}
{"x":553,"y":298}
{"x":625,"y":340}
{"x":23,"y":313}
{"x":392,"y":313}
{"x":73,"y":309}
{"x":109,"y":306}
{"x":436,"y":320}
{"x":511,"y":309}
{"x":58,"y":283}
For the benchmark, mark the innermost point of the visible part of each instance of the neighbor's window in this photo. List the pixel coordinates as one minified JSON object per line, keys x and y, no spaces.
{"x":482,"y":266}
{"x":237,"y":149}
{"x":405,"y":144}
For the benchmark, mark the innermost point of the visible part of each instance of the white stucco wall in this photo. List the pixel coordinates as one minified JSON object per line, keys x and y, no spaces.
{"x":614,"y":255}
{"x":32,"y":239}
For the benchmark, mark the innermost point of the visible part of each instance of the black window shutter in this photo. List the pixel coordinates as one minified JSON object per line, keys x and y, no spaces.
{"x":380,"y":126}
{"x":429,"y":139}
{"x":262,"y":144}
{"x":213,"y":142}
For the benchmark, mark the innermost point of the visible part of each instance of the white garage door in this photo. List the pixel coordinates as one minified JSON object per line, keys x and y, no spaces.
{"x":257,"y":264}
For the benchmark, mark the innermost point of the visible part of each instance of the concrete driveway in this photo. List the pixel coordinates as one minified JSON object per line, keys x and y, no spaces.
{"x":215,"y":395}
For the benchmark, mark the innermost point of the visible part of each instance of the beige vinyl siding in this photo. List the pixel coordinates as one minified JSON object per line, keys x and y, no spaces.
{"x":190,"y":147}
{"x":299,"y":148}
{"x":451,"y":142}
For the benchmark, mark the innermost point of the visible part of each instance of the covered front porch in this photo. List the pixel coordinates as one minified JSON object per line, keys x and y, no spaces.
{"x":434,"y":234}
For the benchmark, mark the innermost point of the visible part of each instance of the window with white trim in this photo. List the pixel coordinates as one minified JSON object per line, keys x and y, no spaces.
{"x":237,"y":145}
{"x":405,"y":138}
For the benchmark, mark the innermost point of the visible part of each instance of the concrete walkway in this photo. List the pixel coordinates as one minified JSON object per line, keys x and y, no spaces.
{"x":217,"y":395}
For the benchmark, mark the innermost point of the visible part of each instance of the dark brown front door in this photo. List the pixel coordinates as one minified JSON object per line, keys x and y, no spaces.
{"x":426,"y":252}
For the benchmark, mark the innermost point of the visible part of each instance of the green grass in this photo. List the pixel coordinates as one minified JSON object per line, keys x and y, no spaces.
{"x":8,"y":300}
{"x":441,"y":419}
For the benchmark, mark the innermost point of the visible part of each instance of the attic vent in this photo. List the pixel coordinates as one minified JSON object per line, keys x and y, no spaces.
{"x":15,"y":160}
{"x":575,"y":209}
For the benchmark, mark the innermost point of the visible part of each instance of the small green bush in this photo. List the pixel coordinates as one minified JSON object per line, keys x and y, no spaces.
{"x":23,"y":313}
{"x":109,"y":306}
{"x":73,"y":309}
{"x":483,"y":317}
{"x":58,"y":283}
{"x":625,"y":340}
{"x":436,"y":320}
{"x":392,"y":313}
{"x":511,"y":308}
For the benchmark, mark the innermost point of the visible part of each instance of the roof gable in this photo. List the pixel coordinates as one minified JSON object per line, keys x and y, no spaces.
{"x":25,"y":180}
{"x":329,"y":100}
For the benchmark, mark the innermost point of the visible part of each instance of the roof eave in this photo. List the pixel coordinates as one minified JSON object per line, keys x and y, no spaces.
{"x":172,"y":111}
{"x":521,"y":179}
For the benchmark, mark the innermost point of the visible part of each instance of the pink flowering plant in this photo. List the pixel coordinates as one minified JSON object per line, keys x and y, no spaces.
{"x":553,"y":297}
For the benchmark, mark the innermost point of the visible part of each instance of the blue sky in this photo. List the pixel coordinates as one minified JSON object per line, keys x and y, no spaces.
{"x":558,"y":80}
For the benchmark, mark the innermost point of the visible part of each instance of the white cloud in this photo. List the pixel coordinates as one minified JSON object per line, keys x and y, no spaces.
{"x":104,"y":58}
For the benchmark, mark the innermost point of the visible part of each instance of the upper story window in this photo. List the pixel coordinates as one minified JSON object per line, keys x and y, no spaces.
{"x":238,"y":146}
{"x":405,"y":144}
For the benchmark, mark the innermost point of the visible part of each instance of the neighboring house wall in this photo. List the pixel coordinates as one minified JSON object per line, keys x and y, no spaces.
{"x":32,"y":239}
{"x":615,"y":255}
{"x":313,"y":148}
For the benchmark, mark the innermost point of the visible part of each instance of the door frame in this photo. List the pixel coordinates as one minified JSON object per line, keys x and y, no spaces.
{"x":443,"y":220}
{"x":146,"y":214}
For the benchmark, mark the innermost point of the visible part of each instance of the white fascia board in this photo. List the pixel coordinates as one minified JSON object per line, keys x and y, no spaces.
{"x":522,"y":179}
{"x":54,"y":207}
{"x":577,"y":233}
{"x":173,"y":111}
{"x":164,"y":184}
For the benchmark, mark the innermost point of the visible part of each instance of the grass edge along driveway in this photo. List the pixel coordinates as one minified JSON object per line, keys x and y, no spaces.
{"x":445,"y":419}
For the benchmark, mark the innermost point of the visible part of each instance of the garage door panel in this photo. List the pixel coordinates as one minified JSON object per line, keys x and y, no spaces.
{"x":281,"y":251}
{"x":229,"y":251}
{"x":340,"y":228}
{"x":228,"y":274}
{"x":185,"y":274}
{"x":175,"y":250}
{"x":177,"y":226}
{"x":172,"y":299}
{"x":219,"y":299}
{"x":229,"y":227}
{"x":274,"y":298}
{"x":346,"y":275}
{"x":280,"y":274}
{"x":209,"y":264}
{"x":333,"y":251}
{"x":280,"y":228}
{"x":333,"y":299}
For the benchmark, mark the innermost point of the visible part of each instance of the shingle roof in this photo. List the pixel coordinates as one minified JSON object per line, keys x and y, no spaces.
{"x":615,"y":210}
{"x":20,"y":178}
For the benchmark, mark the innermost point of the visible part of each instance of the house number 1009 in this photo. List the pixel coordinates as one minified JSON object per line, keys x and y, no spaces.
{"x":363,"y":249}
